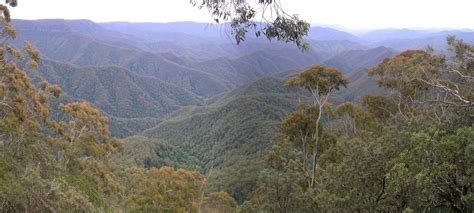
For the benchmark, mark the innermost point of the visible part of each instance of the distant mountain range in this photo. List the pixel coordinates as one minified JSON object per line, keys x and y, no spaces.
{"x":150,"y":70}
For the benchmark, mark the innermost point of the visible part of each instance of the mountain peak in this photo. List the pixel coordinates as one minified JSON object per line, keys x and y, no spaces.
{"x":326,"y":33}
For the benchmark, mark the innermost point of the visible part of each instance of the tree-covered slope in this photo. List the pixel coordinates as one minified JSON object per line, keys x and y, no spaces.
{"x":355,"y":64}
{"x":354,"y":60}
{"x":58,"y":41}
{"x":230,"y":137}
{"x":133,"y":102}
{"x":265,"y":62}
{"x":137,"y":88}
{"x":117,"y":91}
{"x":330,"y":48}
{"x":85,"y":43}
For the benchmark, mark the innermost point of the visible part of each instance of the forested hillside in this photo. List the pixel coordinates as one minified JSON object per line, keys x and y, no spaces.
{"x":80,"y":55}
{"x":175,"y":117}
{"x":407,"y":150}
{"x":117,"y":91}
{"x":240,"y":128}
{"x":231,"y":133}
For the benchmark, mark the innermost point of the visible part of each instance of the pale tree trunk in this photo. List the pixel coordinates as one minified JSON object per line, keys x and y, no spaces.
{"x":320,"y":101}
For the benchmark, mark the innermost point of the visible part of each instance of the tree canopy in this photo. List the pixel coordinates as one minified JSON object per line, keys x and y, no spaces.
{"x":409,"y":150}
{"x":59,"y":159}
{"x":264,"y":17}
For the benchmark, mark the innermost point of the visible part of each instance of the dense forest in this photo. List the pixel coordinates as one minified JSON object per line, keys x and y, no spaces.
{"x":135,"y":117}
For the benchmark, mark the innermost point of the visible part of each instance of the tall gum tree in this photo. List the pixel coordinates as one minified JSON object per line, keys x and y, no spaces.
{"x":321,"y":82}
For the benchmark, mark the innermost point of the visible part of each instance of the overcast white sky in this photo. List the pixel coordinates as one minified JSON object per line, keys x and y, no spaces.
{"x":352,"y":14}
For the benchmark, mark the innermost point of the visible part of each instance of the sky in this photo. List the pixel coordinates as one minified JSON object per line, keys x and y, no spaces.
{"x":346,"y":14}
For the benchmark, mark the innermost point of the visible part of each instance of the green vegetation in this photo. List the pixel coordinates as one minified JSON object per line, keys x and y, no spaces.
{"x":138,"y":88}
{"x":50,"y":164}
{"x":359,"y":129}
{"x":410,"y":150}
{"x":230,"y":137}
{"x":243,"y":17}
{"x":117,"y":91}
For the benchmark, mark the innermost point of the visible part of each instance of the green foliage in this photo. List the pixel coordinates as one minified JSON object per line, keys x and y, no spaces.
{"x":352,"y":173}
{"x":242,"y":17}
{"x":230,"y":137}
{"x":429,"y":78}
{"x":381,"y":107}
{"x":149,"y":152}
{"x":39,"y":154}
{"x":410,"y":149}
{"x":319,"y":80}
{"x":219,"y":202}
{"x":137,"y":88}
{"x":401,"y":152}
{"x":49,"y":164}
{"x":116,"y":91}
{"x":163,"y":190}
{"x":300,"y":126}
{"x":281,"y":187}
{"x":435,"y":170}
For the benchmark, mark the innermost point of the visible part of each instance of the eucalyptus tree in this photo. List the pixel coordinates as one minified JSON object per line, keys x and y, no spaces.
{"x":260,"y":17}
{"x":321,"y":82}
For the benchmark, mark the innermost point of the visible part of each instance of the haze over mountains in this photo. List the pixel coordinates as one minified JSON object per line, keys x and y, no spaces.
{"x":189,"y":93}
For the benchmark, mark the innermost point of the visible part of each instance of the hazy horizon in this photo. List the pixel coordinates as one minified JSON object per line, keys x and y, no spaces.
{"x":352,"y":16}
{"x":336,"y":27}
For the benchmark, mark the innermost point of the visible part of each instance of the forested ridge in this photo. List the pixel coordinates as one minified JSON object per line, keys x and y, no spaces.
{"x":151,"y":117}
